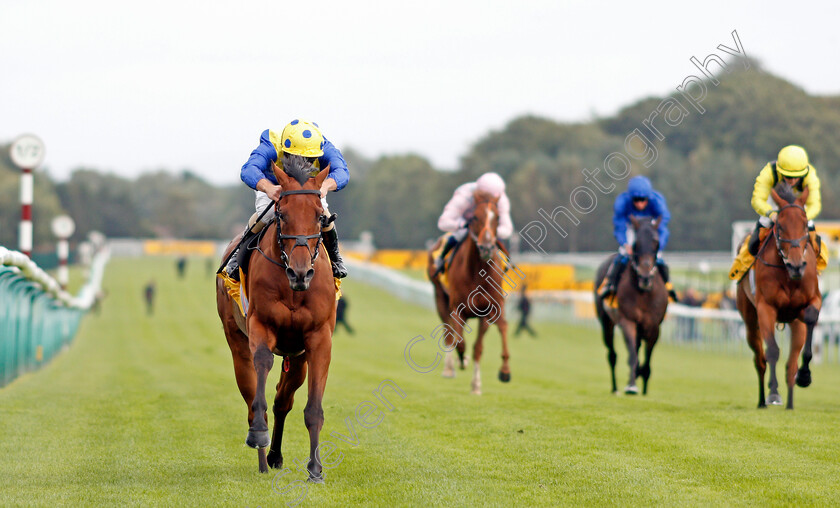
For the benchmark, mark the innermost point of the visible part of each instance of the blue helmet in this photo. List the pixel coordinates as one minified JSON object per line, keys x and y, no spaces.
{"x":640,"y":187}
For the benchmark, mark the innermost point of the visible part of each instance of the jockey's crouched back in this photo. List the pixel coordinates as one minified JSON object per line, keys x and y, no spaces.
{"x":639,"y":200}
{"x":460,"y":209}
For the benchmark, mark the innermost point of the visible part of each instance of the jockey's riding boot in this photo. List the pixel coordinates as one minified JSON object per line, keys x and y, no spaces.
{"x":666,"y":277}
{"x":232,"y":267}
{"x":752,"y":247}
{"x":610,"y":279}
{"x":331,"y":243}
{"x":451,"y":241}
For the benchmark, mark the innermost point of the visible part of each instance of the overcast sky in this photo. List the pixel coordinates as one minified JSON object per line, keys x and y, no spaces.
{"x":129,"y":87}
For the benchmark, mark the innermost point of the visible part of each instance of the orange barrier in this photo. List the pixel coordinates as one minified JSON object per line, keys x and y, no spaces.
{"x":179,"y":248}
{"x":537,"y":276}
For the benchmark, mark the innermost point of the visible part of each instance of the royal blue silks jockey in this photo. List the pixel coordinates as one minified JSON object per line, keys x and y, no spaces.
{"x":301,"y":138}
{"x":639,"y":200}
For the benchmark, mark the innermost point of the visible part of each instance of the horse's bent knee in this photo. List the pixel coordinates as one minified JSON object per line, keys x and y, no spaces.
{"x":313,"y":417}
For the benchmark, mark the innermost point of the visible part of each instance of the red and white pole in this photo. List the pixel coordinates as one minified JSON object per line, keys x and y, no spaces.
{"x":63,"y":253}
{"x":63,"y":227}
{"x":26,"y":194}
{"x":26,"y":152}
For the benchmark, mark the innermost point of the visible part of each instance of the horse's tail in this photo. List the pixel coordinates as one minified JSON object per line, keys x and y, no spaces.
{"x":441,"y":294}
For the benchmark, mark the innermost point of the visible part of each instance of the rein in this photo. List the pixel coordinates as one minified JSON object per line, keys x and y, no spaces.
{"x":794,"y":244}
{"x":300,"y":240}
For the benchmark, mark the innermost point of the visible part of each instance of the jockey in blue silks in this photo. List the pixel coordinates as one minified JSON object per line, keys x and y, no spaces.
{"x":301,"y":138}
{"x":639,"y":200}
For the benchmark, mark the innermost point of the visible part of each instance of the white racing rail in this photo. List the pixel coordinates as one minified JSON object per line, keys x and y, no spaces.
{"x":31,"y":271}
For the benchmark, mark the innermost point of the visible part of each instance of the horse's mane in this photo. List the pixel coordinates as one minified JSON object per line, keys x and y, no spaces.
{"x":298,"y":167}
{"x":785,"y":191}
{"x":481,"y":196}
{"x":646,"y":231}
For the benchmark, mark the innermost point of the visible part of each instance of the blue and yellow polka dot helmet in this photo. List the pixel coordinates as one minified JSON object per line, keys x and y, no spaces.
{"x":302,"y":138}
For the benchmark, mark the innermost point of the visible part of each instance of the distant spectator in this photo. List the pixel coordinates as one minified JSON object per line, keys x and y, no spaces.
{"x":524,"y":307}
{"x":97,"y":301}
{"x":688,"y":325}
{"x":341,"y":315}
{"x":181,"y":265}
{"x":149,"y":295}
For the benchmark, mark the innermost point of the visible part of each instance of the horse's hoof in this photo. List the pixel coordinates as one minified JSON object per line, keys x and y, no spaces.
{"x":631,"y":390}
{"x":315,"y":478}
{"x":504,"y":377}
{"x":275,"y":461}
{"x":258,"y":439}
{"x":774,"y":399}
{"x":476,"y":392}
{"x":803,"y":378}
{"x":449,"y":374}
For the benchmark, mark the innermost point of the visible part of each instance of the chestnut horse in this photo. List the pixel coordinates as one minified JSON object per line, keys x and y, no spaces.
{"x":475,"y":277}
{"x":291,"y":313}
{"x":641,"y":300}
{"x":786,"y":291}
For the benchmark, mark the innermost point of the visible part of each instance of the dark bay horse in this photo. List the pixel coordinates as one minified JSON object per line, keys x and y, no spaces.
{"x":641,"y":300}
{"x":786,"y":291}
{"x":474,"y":290}
{"x":291,"y":313}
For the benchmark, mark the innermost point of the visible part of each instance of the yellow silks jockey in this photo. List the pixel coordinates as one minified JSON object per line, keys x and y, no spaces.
{"x":792,"y":164}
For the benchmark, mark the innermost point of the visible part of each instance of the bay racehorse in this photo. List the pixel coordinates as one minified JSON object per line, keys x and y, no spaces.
{"x":786,"y":291}
{"x":291,"y":313}
{"x":640,"y":302}
{"x":474,"y":289}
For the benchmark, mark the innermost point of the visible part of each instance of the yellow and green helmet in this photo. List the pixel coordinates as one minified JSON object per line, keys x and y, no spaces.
{"x":793,"y":162}
{"x":302,"y":138}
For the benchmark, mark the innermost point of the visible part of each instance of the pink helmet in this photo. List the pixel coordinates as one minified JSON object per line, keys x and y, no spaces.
{"x":491,"y":183}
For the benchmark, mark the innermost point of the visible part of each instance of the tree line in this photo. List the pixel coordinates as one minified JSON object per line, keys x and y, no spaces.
{"x":705,"y":166}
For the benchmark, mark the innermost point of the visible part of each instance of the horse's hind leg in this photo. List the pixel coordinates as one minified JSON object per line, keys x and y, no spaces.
{"x":750,"y":317}
{"x":608,"y":332}
{"x":628,"y":328}
{"x":243,"y":367}
{"x":283,"y":401}
{"x":478,"y":348}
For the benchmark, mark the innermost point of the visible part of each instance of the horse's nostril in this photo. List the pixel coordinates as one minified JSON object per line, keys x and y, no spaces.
{"x":309,"y":274}
{"x":291,"y":273}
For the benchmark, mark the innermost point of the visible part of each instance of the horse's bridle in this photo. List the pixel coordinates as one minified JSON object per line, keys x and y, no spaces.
{"x":300,"y":240}
{"x":475,"y":236}
{"x":794,"y":244}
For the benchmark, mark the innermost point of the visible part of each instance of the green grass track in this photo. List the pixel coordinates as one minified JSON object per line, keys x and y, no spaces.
{"x":144,"y":411}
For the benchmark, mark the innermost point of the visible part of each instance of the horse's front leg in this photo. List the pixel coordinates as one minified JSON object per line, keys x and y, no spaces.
{"x":766,"y":328}
{"x":628,"y":328}
{"x":318,"y":355}
{"x":809,"y":316}
{"x":453,"y":338}
{"x":504,"y":371}
{"x":798,"y":333}
{"x":650,"y":340}
{"x":258,"y":436}
{"x":283,"y":401}
{"x":478,"y":348}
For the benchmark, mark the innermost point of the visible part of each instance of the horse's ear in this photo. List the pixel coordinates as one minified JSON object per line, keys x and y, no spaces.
{"x":803,"y":197}
{"x":634,"y":221}
{"x":280,"y":175}
{"x":320,"y":177}
{"x":779,"y":201}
